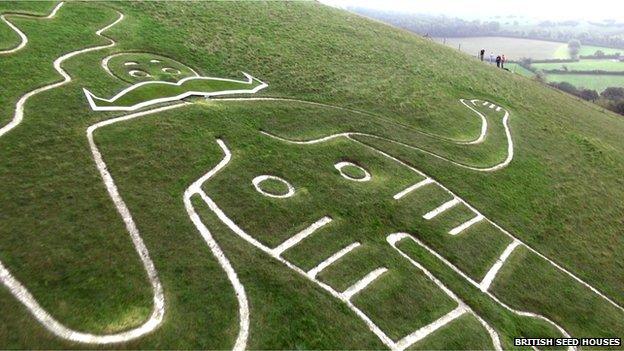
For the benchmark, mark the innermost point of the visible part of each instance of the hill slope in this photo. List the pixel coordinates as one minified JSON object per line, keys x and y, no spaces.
{"x":551,"y":197}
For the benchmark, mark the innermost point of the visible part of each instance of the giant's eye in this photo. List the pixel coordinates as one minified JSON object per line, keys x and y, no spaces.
{"x":352,"y":171}
{"x":273,"y":186}
{"x":139,"y":73}
{"x":170,"y":70}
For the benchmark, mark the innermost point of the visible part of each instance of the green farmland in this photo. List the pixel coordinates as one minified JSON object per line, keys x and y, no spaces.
{"x":586,"y":50}
{"x":596,"y":82}
{"x":584,"y":65}
{"x":517,"y":48}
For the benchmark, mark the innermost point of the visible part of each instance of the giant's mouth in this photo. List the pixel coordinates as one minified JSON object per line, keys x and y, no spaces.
{"x":154,"y":92}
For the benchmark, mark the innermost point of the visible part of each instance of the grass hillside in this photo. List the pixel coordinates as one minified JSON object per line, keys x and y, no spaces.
{"x":62,"y":237}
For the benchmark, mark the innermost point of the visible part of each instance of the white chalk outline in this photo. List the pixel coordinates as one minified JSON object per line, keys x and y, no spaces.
{"x":479,"y":139}
{"x":250,"y":239}
{"x":411,"y":188}
{"x":67,"y":78}
{"x":312,"y":273}
{"x":414,"y":337}
{"x":261,"y":178}
{"x":244,"y":312}
{"x":23,"y":37}
{"x":170,"y":70}
{"x":241,"y":296}
{"x":363,"y":283}
{"x":91,"y":98}
{"x":429,"y":329}
{"x":345,"y":296}
{"x":21,"y":293}
{"x":411,"y":339}
{"x":474,"y":210}
{"x":396,"y":237}
{"x":442,"y":208}
{"x":19,"y":106}
{"x":460,"y":228}
{"x":297,"y":238}
{"x":340,"y":165}
{"x":358,"y":312}
{"x":491,"y":274}
{"x":350,"y":135}
{"x":137,"y":73}
{"x":484,"y":124}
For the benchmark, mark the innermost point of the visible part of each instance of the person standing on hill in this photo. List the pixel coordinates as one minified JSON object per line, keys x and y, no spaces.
{"x":482,"y":54}
{"x":491,"y":58}
{"x":503,"y":59}
{"x":498,"y":61}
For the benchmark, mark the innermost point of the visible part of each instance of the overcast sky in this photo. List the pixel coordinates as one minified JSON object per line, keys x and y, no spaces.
{"x":542,"y":9}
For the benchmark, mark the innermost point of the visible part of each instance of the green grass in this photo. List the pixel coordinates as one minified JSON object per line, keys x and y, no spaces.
{"x":465,"y":333}
{"x":516,"y":68}
{"x":62,"y":237}
{"x":596,"y":82}
{"x":401,"y":302}
{"x":8,"y":37}
{"x":121,"y":65}
{"x":506,"y":323}
{"x":314,"y":321}
{"x":534,"y":290}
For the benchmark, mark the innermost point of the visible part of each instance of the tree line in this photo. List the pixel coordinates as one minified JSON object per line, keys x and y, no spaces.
{"x":611,"y":98}
{"x":444,"y":26}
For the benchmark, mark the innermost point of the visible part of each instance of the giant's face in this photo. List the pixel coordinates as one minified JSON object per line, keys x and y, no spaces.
{"x":328,"y":208}
{"x":139,"y":67}
{"x":367,"y":195}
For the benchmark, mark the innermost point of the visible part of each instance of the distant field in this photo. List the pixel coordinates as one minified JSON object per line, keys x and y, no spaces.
{"x":512,"y":48}
{"x":588,"y":81}
{"x":562,"y":53}
{"x":584,"y":65}
{"x":596,"y":82}
{"x":517,"y":48}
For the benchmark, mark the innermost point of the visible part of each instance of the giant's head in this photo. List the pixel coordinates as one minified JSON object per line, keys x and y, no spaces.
{"x":157,"y":79}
